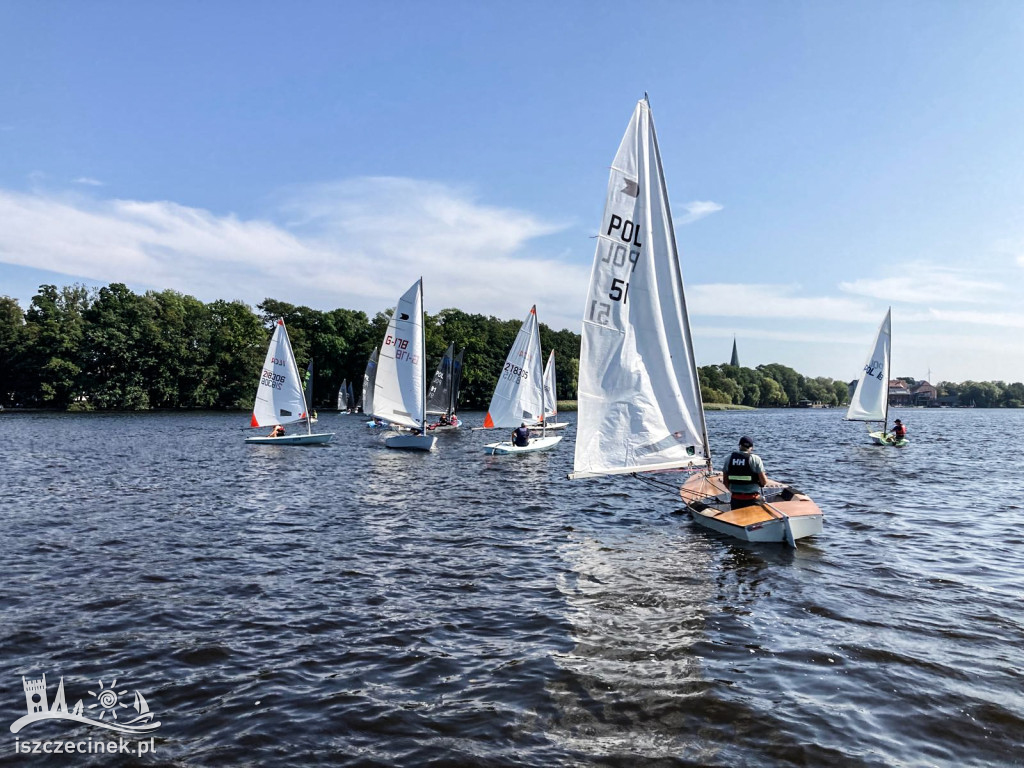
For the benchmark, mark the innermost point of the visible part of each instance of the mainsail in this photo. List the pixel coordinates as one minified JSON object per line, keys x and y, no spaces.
{"x":456,"y":380}
{"x":440,"y":395}
{"x":369,"y":383}
{"x":870,"y":401}
{"x":279,"y":396}
{"x":550,"y":397}
{"x":518,"y":396}
{"x":342,"y":403}
{"x":350,"y":397}
{"x":640,"y":407}
{"x":399,"y":393}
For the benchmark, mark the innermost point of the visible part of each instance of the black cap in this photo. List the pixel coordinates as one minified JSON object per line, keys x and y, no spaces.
{"x":898,"y":421}
{"x":746,"y":442}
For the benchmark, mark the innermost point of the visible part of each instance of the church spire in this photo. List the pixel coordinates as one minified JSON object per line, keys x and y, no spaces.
{"x":735,"y":355}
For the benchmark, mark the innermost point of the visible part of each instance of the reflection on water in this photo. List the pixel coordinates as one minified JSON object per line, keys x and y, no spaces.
{"x":355,"y":605}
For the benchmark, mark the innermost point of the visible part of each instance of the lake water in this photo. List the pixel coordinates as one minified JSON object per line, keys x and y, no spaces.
{"x":351,"y":605}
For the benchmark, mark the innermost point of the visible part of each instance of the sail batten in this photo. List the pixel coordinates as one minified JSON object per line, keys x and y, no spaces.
{"x":639,"y":395}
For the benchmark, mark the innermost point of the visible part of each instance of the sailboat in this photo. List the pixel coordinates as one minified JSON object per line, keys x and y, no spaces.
{"x":551,"y":396}
{"x":443,"y":393}
{"x":279,"y":396}
{"x":350,"y":398}
{"x":870,"y":401}
{"x":342,"y":403}
{"x":519,"y":395}
{"x":308,"y":392}
{"x":369,"y":384}
{"x":400,"y":390}
{"x":640,"y":408}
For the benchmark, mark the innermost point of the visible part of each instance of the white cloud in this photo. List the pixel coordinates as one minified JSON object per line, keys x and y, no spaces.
{"x":921,"y":283}
{"x":89,"y":182}
{"x":773,"y":301}
{"x":698,"y":209}
{"x":356,"y":244}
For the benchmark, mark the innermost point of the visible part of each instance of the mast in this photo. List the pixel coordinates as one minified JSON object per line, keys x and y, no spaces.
{"x":888,"y":373}
{"x":679,"y":281}
{"x":423,"y":367}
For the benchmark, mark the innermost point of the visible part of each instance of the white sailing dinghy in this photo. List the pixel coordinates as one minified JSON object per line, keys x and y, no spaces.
{"x":369,"y":384}
{"x":551,"y":397}
{"x":279,"y":396}
{"x":640,"y":407}
{"x":342,"y":404}
{"x":443,"y":391}
{"x":400,"y":389}
{"x":870,"y":401}
{"x":519,"y":395}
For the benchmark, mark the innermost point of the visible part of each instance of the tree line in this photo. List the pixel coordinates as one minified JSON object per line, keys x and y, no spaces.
{"x":113,"y":349}
{"x":110,"y":348}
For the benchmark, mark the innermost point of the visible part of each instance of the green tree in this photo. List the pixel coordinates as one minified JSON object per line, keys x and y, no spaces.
{"x":54,"y":332}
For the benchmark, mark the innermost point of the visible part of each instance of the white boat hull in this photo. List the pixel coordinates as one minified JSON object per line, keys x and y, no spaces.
{"x":314,"y":439}
{"x":411,"y":442}
{"x":545,"y":443}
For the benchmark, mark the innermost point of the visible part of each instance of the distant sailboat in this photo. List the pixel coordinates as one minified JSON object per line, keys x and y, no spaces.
{"x":551,"y":396}
{"x":342,"y":403}
{"x":400,"y":391}
{"x":640,"y":407}
{"x":443,"y":393}
{"x":280,"y":399}
{"x":369,"y":384}
{"x":870,"y":401}
{"x":519,"y":395}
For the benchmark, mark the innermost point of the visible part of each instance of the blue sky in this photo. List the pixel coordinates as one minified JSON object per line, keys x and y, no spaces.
{"x":824,"y":161}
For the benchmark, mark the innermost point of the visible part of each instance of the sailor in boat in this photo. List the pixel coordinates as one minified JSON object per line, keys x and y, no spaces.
{"x":521,"y":435}
{"x":277,"y":431}
{"x":744,"y":475}
{"x":898,"y":431}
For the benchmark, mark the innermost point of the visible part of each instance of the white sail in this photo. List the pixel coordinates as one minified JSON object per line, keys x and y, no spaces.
{"x":369,"y":382}
{"x":518,"y":396}
{"x":439,"y":396}
{"x":399,"y":389}
{"x":550,"y":398}
{"x":870,"y":401}
{"x":639,"y":397}
{"x":279,"y":396}
{"x":342,"y":395}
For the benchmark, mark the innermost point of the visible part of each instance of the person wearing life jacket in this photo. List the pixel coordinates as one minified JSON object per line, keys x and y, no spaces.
{"x":277,"y":431}
{"x":744,"y":475}
{"x":521,"y":435}
{"x":898,"y":431}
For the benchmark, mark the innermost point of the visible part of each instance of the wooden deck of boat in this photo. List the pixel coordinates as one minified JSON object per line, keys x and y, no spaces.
{"x":702,"y":486}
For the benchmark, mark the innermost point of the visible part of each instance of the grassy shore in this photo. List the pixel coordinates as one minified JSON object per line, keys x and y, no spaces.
{"x":570,"y":405}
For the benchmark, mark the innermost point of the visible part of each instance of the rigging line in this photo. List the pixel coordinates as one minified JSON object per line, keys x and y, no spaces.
{"x":661,"y":484}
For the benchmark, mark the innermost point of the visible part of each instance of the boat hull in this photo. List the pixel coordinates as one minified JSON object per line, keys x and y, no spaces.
{"x":707,"y":501}
{"x":880,"y":438}
{"x":314,"y":439}
{"x":411,"y":442}
{"x":544,"y":443}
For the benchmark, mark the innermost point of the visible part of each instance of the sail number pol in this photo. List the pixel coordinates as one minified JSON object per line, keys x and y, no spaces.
{"x":622,"y":247}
